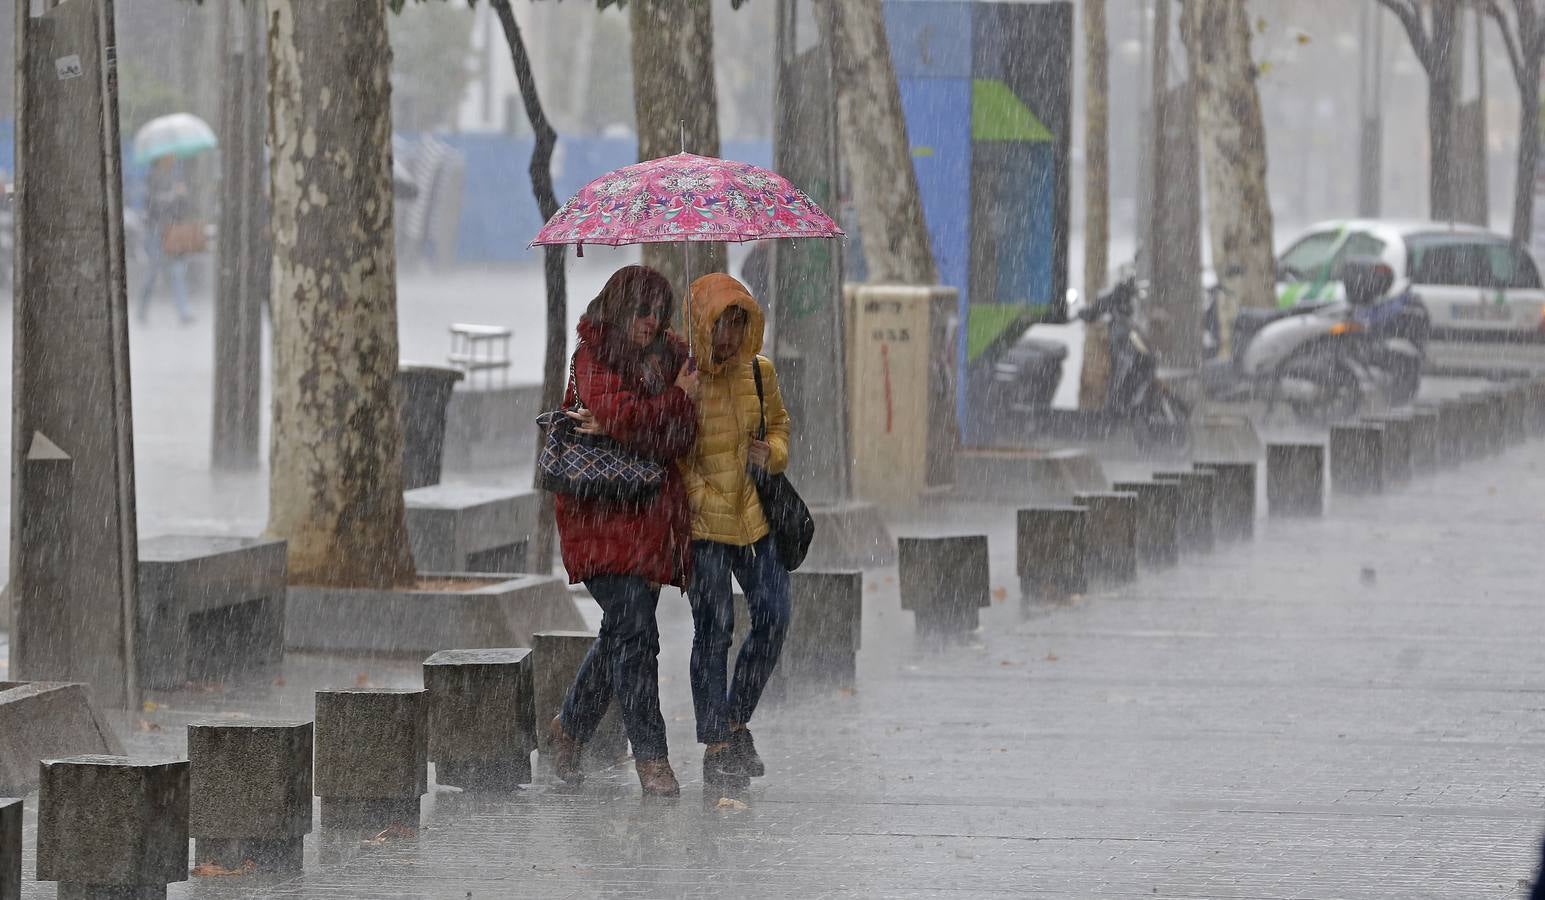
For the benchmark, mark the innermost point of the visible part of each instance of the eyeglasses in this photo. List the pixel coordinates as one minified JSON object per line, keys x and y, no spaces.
{"x":649,"y":310}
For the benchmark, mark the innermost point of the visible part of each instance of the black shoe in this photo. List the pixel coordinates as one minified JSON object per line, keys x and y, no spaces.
{"x":724,"y":768}
{"x":744,"y":747}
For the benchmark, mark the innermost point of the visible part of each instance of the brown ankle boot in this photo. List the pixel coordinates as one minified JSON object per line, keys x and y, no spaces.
{"x":656,"y":778}
{"x":566,"y":753}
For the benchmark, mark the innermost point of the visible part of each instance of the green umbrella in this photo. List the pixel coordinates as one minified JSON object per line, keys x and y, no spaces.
{"x":179,"y":134}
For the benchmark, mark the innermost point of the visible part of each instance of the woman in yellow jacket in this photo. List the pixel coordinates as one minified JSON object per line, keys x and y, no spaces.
{"x":729,"y":531}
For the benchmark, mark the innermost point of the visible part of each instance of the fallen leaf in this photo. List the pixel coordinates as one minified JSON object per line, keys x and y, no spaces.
{"x":890,"y":580}
{"x":731,"y":804}
{"x":390,"y":832}
{"x":279,"y":682}
{"x":1000,"y":594}
{"x":211,"y":870}
{"x":1010,"y":663}
{"x":1491,"y":490}
{"x":147,"y":725}
{"x":1051,"y":657}
{"x":362,"y":680}
{"x":846,"y":692}
{"x":150,"y":706}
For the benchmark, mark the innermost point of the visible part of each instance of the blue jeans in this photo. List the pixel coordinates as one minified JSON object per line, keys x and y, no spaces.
{"x":177,"y":266}
{"x":623,"y":663}
{"x":766,"y":584}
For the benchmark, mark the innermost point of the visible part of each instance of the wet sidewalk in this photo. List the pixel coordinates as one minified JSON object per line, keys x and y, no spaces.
{"x":1346,"y":707}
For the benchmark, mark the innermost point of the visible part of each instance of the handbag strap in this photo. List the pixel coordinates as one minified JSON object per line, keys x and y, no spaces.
{"x":574,"y":376}
{"x":761,"y":403}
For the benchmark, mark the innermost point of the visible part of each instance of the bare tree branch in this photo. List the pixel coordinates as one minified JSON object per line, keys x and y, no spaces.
{"x":1411,"y":18}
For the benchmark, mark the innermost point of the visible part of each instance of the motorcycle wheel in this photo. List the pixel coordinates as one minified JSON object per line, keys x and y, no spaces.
{"x":1338,"y":394}
{"x":1164,"y":425}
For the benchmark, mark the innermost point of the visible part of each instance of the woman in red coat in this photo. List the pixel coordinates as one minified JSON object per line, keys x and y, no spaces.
{"x":632,"y":379}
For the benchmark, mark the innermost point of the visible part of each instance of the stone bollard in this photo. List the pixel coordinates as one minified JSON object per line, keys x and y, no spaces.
{"x":1536,"y":406}
{"x":944,"y":582}
{"x":1424,"y":439}
{"x":1496,"y":416}
{"x":1399,"y":437}
{"x":1158,"y":521}
{"x":1049,"y":554}
{"x":555,"y":659}
{"x":1233,"y":493}
{"x":372,"y":764}
{"x":1515,"y":422}
{"x":825,"y":630}
{"x":1476,"y":440}
{"x":10,"y":848}
{"x":112,"y":828}
{"x":1197,"y":527}
{"x":1357,"y":455}
{"x":482,"y":728}
{"x":250,"y":800}
{"x":1295,"y":480}
{"x":1453,"y":419}
{"x":1110,"y":536}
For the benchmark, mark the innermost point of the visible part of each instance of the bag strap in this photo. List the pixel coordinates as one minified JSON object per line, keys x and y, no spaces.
{"x":761,"y":403}
{"x":574,"y":376}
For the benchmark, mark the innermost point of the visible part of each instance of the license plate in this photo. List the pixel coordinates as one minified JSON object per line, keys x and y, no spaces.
{"x":1481,"y":312}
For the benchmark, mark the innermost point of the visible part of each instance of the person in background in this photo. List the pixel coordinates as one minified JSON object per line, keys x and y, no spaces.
{"x":632,"y":379}
{"x":730,"y":534}
{"x":166,"y":245}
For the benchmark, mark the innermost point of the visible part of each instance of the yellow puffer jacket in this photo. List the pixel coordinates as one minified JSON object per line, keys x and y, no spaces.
{"x":725,"y":507}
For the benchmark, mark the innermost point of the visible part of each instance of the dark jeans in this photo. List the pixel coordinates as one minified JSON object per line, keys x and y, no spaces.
{"x":766,"y":584}
{"x":622,"y":663}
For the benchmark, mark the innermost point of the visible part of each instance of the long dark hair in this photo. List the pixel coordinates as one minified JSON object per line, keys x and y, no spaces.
{"x":613,"y":310}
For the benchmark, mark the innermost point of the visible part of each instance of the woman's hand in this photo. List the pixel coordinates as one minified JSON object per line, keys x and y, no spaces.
{"x":588,"y":424}
{"x":761,"y":451}
{"x":686,"y":379}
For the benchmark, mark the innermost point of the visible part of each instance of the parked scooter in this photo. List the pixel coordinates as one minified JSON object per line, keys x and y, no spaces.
{"x":1327,"y":360}
{"x":1160,"y":420}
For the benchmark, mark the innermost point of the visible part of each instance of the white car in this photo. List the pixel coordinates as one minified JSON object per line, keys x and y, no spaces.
{"x":1472,"y":281}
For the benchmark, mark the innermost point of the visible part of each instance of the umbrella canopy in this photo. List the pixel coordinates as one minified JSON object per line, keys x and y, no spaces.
{"x":179,"y":134}
{"x":686,"y":198}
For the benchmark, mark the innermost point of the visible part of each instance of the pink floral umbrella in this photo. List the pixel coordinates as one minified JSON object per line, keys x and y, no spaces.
{"x":686,"y":198}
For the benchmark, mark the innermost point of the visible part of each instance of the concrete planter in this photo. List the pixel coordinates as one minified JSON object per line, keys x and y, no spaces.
{"x":46,"y":720}
{"x":505,"y":611}
{"x":457,"y":528}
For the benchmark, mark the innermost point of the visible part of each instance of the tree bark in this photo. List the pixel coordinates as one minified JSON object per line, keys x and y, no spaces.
{"x":1233,"y":137}
{"x":1095,"y":372}
{"x":673,"y":88}
{"x":335,"y":489}
{"x":876,"y":150}
{"x":554,"y":369}
{"x":1441,"y":101}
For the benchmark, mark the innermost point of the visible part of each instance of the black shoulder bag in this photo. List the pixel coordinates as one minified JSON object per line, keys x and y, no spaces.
{"x":787,"y":515}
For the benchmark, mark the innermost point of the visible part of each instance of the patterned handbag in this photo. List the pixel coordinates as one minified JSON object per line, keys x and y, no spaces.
{"x":591,"y":466}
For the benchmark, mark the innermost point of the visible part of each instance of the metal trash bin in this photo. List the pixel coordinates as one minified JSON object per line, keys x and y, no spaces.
{"x":426,"y":390}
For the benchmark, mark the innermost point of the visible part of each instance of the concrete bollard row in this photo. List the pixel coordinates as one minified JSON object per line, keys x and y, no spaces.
{"x":944,"y":582}
{"x":1357,"y":458}
{"x":482,"y":728}
{"x":250,"y":793}
{"x":1050,"y":553}
{"x":1110,"y":536}
{"x":1233,"y":498}
{"x":110,"y":827}
{"x":1158,"y":520}
{"x":1195,"y":528}
{"x":371,"y":761}
{"x":10,"y":848}
{"x":1295,"y":480}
